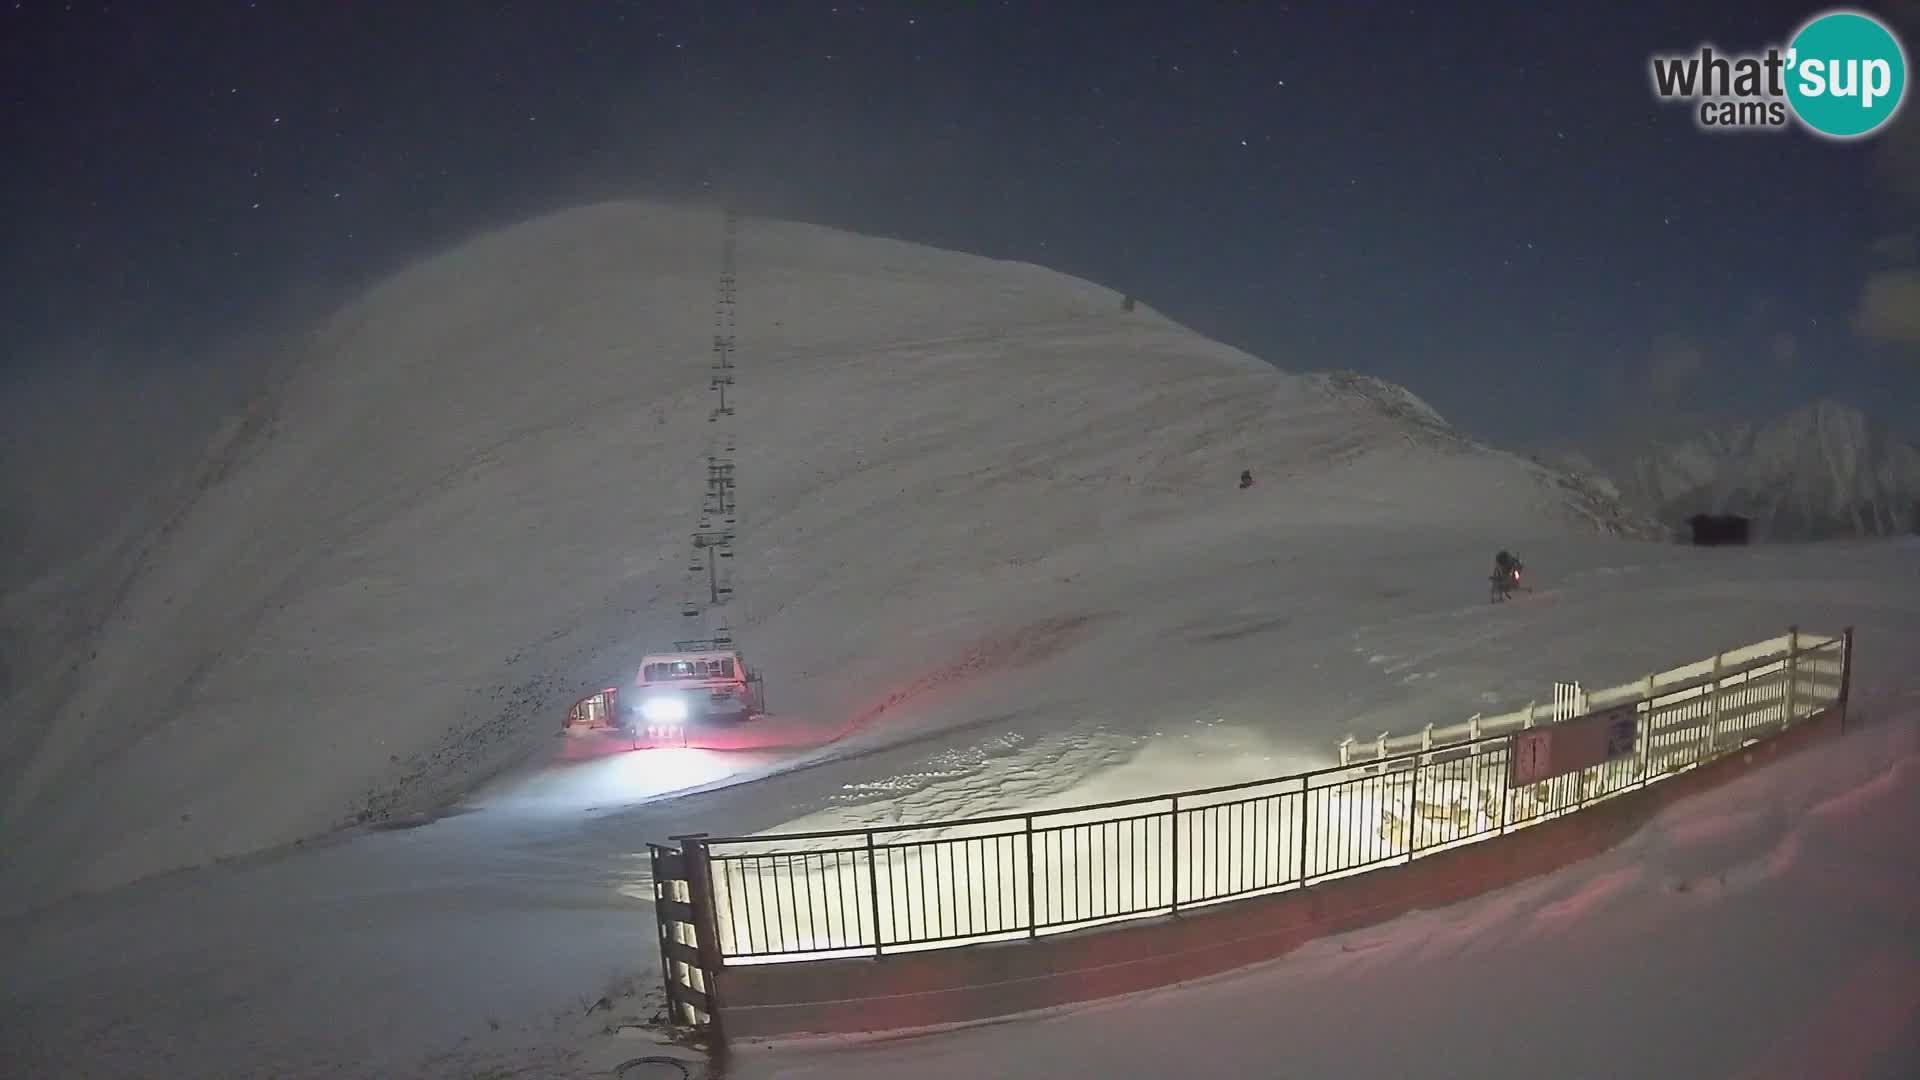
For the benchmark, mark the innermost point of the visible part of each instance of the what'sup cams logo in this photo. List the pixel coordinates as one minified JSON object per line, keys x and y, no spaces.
{"x":1842,"y":75}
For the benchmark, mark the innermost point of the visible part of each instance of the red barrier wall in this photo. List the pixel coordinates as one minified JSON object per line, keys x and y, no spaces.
{"x":973,"y":982}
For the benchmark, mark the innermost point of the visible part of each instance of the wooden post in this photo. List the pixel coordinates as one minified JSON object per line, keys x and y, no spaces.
{"x":663,"y":880}
{"x":1346,"y":750}
{"x":707,"y":929}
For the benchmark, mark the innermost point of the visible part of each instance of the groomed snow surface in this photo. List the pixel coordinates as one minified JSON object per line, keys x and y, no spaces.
{"x":1764,"y":930}
{"x":992,"y":557}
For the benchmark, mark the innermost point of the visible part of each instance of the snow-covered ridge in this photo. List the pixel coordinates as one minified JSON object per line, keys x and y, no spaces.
{"x":1390,"y":398}
{"x":1577,"y":497}
{"x":1822,"y":471}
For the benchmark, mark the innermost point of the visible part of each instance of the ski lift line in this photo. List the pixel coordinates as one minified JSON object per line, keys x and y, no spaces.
{"x":710,"y":545}
{"x":723,"y":344}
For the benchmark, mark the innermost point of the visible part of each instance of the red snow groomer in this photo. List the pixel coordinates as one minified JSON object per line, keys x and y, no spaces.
{"x":699,"y":683}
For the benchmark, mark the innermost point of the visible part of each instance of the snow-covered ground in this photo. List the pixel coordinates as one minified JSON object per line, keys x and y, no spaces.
{"x":1768,"y":930}
{"x":395,"y":953}
{"x":469,"y":503}
{"x":993,"y":557}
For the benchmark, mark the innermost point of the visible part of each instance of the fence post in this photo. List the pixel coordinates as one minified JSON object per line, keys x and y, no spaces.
{"x":1506,"y":785}
{"x":1846,"y":673}
{"x":1793,"y":675}
{"x":873,"y":890}
{"x":1646,"y":721}
{"x":1033,"y":923}
{"x":706,"y":928}
{"x":1346,"y":750}
{"x":1643,"y":746}
{"x":1413,"y":806}
{"x":1305,"y":788}
{"x":1174,"y":877}
{"x":1713,"y":704}
{"x":663,"y":881}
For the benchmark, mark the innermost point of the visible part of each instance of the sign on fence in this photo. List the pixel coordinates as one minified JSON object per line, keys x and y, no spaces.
{"x":748,"y":901}
{"x":1543,"y":753}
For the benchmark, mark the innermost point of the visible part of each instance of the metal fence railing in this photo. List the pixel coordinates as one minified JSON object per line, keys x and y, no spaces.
{"x":802,"y":896}
{"x":1658,"y":684}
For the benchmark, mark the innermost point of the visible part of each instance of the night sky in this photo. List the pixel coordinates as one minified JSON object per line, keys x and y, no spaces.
{"x":1483,"y":201}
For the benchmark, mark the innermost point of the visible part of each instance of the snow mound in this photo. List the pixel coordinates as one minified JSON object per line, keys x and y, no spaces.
{"x":469,"y":504}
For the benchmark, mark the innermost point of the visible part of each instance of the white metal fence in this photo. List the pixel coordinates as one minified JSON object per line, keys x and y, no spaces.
{"x":803,"y":896}
{"x":1656,"y":685}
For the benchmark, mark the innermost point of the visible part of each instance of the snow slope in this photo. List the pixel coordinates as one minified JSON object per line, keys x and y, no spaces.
{"x":468,"y":505}
{"x":1822,"y":471}
{"x":484,"y":940}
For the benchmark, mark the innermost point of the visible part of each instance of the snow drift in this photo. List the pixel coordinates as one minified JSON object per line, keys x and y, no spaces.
{"x":468,"y":504}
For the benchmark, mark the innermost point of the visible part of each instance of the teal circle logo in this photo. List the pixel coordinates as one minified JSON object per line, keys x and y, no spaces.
{"x":1846,"y":74}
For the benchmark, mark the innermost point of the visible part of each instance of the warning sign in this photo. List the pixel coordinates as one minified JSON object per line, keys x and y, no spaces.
{"x":1572,"y":745}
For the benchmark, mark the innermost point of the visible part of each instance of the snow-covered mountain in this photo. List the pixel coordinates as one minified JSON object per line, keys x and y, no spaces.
{"x":470,"y":500}
{"x":991,"y":539}
{"x":1823,"y":471}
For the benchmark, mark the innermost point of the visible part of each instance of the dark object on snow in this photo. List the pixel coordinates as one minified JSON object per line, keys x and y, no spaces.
{"x":1505,"y":577}
{"x":1246,"y":478}
{"x":1712,"y":530}
{"x":1126,"y":303}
